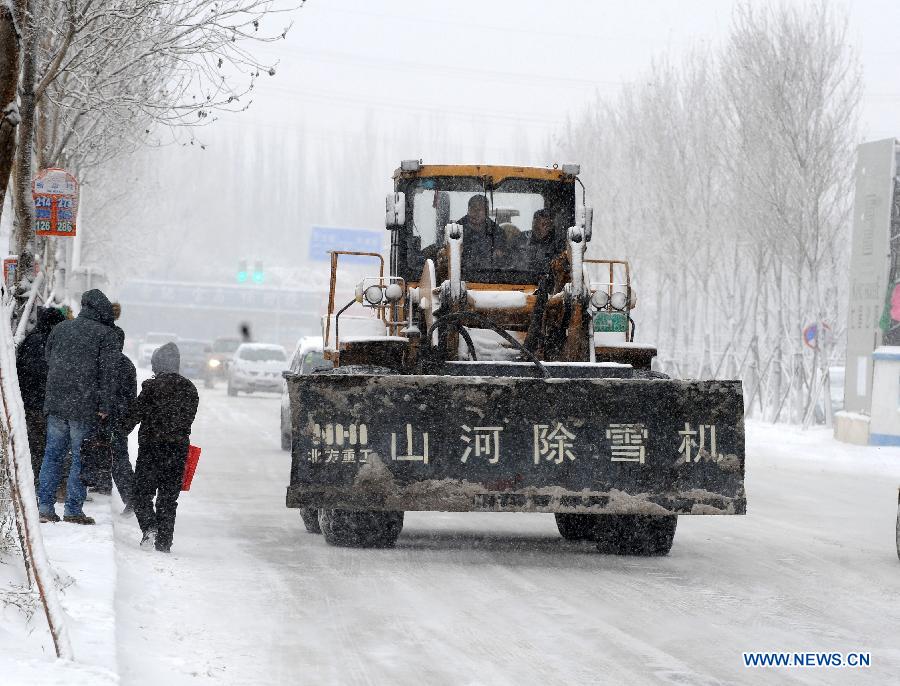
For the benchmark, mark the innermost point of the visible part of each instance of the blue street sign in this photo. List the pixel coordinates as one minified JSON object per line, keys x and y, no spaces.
{"x":809,"y":335}
{"x":327,"y":238}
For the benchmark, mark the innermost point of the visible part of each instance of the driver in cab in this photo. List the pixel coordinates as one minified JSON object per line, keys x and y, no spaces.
{"x":485,"y":245}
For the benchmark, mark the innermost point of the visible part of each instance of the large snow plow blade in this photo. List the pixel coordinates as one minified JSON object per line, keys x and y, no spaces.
{"x":458,"y":443}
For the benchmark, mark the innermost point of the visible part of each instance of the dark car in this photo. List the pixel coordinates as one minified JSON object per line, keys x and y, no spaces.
{"x":193,"y":357}
{"x":217,"y":360}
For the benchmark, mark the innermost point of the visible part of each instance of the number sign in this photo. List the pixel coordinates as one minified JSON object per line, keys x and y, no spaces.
{"x":55,"y":193}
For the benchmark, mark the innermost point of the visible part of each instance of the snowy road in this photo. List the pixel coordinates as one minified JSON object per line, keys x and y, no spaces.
{"x":248,"y":597}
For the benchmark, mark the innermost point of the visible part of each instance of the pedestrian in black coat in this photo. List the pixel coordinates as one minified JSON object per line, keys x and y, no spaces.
{"x":31,"y":366}
{"x":82,"y":355}
{"x":165,"y":409}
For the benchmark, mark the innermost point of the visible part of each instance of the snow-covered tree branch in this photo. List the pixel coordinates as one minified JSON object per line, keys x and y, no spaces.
{"x":100,"y":77}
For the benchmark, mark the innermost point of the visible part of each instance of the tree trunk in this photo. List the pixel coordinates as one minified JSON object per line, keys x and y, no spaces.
{"x":777,"y":370}
{"x":24,"y":205}
{"x":9,"y":82}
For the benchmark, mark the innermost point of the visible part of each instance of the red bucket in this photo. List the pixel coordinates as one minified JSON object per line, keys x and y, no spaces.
{"x":193,"y":457}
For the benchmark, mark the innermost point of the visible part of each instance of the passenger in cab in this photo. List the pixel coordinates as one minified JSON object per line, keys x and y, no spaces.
{"x":540,"y":243}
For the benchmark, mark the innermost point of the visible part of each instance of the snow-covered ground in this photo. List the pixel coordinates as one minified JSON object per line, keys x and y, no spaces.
{"x":248,"y":597}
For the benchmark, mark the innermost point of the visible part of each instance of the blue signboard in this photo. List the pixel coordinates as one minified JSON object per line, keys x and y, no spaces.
{"x":327,"y":238}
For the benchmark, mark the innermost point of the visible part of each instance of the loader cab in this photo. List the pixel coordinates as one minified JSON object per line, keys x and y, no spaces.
{"x":496,"y":252}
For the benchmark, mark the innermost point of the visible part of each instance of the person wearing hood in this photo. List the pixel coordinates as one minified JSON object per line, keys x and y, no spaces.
{"x":82,"y":356}
{"x":31,"y":366}
{"x":165,"y":409}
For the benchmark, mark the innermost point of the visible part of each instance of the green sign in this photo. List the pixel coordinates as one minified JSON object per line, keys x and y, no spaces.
{"x":610,"y":322}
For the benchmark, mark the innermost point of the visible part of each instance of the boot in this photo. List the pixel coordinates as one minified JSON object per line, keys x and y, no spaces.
{"x":79,"y":519}
{"x":149,"y":538}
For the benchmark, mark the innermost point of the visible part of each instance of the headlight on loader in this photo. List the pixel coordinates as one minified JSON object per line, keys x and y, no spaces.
{"x":600,"y":299}
{"x":380,"y":291}
{"x":373,"y":295}
{"x":214,"y":363}
{"x":393,"y":292}
{"x":618,"y":300}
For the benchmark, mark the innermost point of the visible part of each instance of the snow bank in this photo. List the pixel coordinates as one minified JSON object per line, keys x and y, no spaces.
{"x":83,"y":560}
{"x":20,"y":470}
{"x":28,"y":671}
{"x":817,"y":445}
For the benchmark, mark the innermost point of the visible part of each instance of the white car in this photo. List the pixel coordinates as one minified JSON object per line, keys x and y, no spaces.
{"x":149,"y":345}
{"x":307,"y":357}
{"x":256,"y":367}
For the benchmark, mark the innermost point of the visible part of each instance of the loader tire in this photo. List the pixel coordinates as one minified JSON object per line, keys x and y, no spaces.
{"x":577,"y":527}
{"x":352,"y":528}
{"x":310,"y":517}
{"x":360,"y":529}
{"x":646,"y":535}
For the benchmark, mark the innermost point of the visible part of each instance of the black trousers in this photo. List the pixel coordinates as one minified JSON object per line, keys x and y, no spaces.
{"x":36,"y":423}
{"x":159,"y":472}
{"x":120,"y":471}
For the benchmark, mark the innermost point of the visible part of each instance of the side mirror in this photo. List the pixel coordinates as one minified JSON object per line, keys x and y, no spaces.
{"x":585,"y":220}
{"x":394,"y":210}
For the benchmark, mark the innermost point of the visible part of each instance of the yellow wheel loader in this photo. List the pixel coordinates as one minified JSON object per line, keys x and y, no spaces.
{"x":494,"y":368}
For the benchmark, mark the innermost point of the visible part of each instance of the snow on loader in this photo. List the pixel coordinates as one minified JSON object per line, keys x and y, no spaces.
{"x":496,"y":371}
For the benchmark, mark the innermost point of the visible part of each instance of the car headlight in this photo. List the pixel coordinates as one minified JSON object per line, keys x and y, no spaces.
{"x":213,"y":363}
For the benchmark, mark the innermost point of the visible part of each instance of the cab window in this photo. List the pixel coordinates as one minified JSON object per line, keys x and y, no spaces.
{"x":495,"y":248}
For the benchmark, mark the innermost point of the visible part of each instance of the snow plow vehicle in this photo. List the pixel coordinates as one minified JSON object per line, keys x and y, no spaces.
{"x":498,"y":371}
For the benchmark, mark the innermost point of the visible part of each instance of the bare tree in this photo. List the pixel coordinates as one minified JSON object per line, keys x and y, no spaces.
{"x":725,"y":179}
{"x":108,"y":75}
{"x":794,"y":90}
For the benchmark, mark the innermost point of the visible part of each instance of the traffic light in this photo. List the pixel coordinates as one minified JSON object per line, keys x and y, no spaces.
{"x":242,"y":271}
{"x":258,"y":272}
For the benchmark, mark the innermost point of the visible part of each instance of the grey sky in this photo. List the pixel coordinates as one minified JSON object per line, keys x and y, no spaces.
{"x":361,"y":85}
{"x":511,"y":68}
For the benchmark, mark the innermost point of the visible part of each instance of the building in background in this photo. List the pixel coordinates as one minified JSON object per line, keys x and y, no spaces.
{"x":873,"y":315}
{"x":207,"y":311}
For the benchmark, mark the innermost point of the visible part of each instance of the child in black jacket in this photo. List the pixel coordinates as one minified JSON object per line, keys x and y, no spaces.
{"x":165,"y":409}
